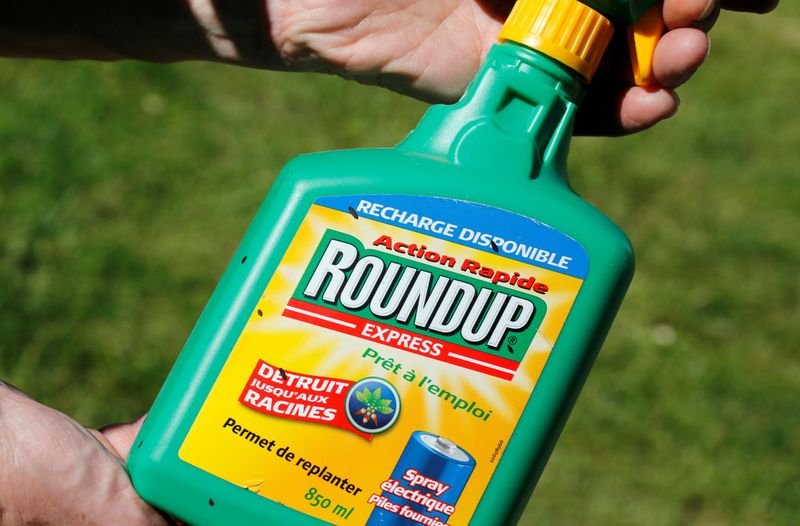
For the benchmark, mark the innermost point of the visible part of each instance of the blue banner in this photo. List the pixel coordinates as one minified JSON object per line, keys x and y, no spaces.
{"x":486,"y":228}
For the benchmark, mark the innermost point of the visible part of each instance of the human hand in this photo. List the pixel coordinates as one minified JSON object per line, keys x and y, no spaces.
{"x":55,"y":471}
{"x":427,"y":49}
{"x":431,"y":50}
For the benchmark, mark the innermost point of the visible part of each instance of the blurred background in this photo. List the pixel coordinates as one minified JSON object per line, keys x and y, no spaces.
{"x":125,"y":188}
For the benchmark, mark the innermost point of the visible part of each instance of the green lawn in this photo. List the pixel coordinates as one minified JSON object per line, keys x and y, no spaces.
{"x":124,"y":189}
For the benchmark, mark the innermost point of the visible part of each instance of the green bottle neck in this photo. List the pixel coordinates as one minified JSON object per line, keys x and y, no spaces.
{"x":515,"y":118}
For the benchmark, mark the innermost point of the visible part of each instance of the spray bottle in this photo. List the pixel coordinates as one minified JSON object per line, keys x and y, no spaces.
{"x":402,"y":332}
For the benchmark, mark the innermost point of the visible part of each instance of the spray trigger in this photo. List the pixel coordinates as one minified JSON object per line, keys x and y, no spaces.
{"x":643,"y":36}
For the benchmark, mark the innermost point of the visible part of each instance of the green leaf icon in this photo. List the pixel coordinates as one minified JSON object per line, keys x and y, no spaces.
{"x":373,"y":405}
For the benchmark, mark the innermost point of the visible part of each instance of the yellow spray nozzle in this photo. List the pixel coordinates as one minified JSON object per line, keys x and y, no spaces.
{"x":643,"y":37}
{"x":576,"y":33}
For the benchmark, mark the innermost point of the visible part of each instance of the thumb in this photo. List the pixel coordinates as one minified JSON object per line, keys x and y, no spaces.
{"x":119,"y":437}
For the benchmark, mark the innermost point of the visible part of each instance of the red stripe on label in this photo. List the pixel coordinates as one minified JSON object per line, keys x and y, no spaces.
{"x":404,"y":340}
{"x":276,"y":392}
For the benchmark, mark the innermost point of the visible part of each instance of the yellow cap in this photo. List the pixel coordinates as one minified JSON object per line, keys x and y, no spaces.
{"x":571,"y":32}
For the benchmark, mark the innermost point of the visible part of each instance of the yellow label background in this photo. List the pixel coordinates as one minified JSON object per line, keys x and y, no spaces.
{"x":305,"y":348}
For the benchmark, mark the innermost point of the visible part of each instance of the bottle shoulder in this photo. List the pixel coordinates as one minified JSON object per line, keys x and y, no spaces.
{"x":394,"y":171}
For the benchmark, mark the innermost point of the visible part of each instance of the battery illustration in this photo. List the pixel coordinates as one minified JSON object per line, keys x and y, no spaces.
{"x":425,"y":484}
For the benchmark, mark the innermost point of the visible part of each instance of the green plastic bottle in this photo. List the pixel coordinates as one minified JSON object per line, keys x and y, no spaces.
{"x":402,"y":332}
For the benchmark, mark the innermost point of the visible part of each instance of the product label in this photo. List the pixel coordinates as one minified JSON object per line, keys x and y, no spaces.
{"x":384,"y":369}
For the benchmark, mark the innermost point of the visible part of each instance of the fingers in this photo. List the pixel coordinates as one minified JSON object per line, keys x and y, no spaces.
{"x":119,"y":437}
{"x":690,"y":13}
{"x":679,"y":53}
{"x":685,"y":46}
{"x":640,"y":108}
{"x":620,"y":112}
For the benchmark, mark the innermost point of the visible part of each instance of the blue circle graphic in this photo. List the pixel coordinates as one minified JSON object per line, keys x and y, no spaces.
{"x":372,"y":405}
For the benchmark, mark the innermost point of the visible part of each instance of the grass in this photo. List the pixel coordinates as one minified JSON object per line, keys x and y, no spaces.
{"x":124,"y":189}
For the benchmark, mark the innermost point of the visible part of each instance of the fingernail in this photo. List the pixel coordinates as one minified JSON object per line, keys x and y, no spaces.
{"x":677,"y":100}
{"x":708,"y":11}
{"x":685,"y":76}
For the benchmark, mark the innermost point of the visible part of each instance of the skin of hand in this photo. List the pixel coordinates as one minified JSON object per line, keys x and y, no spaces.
{"x":55,"y":471}
{"x":432,"y":50}
{"x":426,"y":49}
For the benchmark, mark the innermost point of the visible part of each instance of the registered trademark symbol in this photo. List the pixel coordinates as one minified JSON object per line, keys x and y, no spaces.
{"x":512,"y":340}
